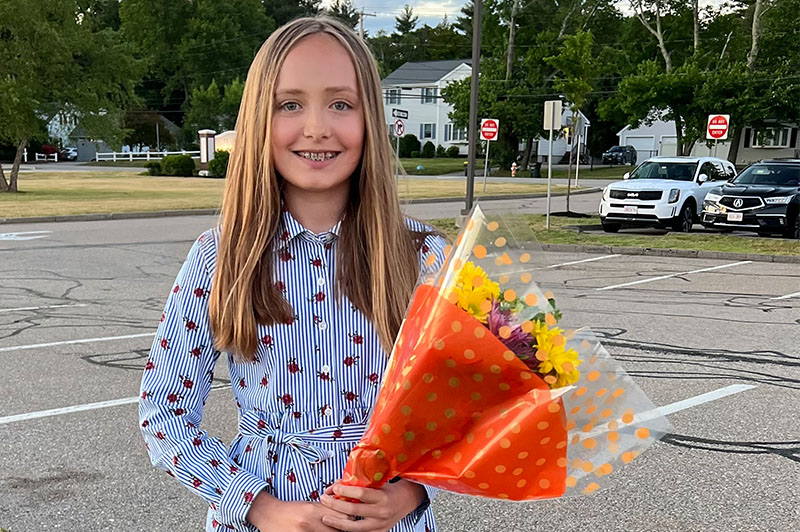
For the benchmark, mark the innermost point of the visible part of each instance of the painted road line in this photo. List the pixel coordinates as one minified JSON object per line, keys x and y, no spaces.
{"x":662,"y":277}
{"x":81,"y":408}
{"x":68,"y":342}
{"x":41,"y":308}
{"x":584,"y":260}
{"x":25,"y":235}
{"x":787,"y":296}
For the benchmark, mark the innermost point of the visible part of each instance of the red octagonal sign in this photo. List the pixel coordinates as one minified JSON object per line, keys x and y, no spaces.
{"x":717,"y":127}
{"x":489,"y":129}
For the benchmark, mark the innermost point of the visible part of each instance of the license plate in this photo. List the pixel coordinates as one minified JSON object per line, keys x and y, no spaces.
{"x":735,"y":216}
{"x":631,"y":210}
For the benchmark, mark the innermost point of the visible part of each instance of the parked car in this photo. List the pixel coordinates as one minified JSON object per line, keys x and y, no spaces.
{"x":68,"y":154}
{"x":663,"y":192}
{"x":764,"y":198}
{"x":620,"y":155}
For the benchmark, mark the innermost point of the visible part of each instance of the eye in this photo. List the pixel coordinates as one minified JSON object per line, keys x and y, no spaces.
{"x":342,"y":106}
{"x":289,"y":106}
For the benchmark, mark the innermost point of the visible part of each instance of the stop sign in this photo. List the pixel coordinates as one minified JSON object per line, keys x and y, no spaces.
{"x":489,"y":128}
{"x":717,"y":127}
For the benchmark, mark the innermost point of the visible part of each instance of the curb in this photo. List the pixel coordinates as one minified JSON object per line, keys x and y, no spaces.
{"x":683,"y":253}
{"x":215,"y":212}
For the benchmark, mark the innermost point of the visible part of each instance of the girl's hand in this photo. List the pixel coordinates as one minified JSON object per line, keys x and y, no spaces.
{"x":268,"y":514}
{"x":381,"y":509}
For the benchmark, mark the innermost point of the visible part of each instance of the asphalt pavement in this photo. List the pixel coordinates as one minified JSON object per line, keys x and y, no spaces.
{"x":80,"y":301}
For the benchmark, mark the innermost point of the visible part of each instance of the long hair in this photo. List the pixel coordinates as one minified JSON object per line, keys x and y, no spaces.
{"x":377,"y":265}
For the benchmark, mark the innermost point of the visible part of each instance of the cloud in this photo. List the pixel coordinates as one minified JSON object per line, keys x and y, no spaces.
{"x":429,"y":12}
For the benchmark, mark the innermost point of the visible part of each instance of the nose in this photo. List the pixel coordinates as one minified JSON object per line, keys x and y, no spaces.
{"x":316,"y":125}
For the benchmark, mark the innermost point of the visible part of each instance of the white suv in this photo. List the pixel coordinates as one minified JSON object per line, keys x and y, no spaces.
{"x":664,"y":192}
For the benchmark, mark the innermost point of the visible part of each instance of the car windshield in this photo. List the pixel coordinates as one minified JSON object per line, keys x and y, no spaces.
{"x":659,"y":170}
{"x":615,"y":149}
{"x":782,"y":175}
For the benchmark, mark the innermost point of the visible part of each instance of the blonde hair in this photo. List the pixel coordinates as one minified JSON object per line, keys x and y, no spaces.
{"x":377,"y":265}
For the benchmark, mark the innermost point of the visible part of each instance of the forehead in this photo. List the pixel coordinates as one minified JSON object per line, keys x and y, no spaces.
{"x":315,"y":64}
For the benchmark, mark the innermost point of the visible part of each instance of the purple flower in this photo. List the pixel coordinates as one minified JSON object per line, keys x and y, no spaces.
{"x":497,"y":318}
{"x":519,"y":341}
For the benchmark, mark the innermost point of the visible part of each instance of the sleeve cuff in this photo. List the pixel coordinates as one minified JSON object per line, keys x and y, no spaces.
{"x":238,"y":498}
{"x":420,"y":510}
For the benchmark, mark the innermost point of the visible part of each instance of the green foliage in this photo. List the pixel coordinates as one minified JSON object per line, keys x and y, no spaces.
{"x":344,"y":11}
{"x":283,"y":11}
{"x":153,"y":168}
{"x":405,"y":22}
{"x":409,"y":143}
{"x":218,"y":166}
{"x":440,"y":151}
{"x":178,"y":165}
{"x":453,"y":152}
{"x":429,"y":150}
{"x":211,"y":108}
{"x":415,"y":154}
{"x":140,"y":126}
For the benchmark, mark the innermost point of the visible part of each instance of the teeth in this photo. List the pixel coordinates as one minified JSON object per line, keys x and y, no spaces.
{"x":313,"y":156}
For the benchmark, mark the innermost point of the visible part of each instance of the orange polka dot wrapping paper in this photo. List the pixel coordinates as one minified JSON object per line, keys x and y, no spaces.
{"x":495,"y":400}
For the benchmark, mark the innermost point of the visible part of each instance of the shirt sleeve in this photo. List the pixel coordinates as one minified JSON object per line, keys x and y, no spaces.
{"x":431,"y":256}
{"x":177,"y":379}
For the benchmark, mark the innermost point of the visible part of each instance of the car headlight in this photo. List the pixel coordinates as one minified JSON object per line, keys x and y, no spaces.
{"x":713,"y":198}
{"x":605,"y":193}
{"x":674,"y":195}
{"x":778,"y":200}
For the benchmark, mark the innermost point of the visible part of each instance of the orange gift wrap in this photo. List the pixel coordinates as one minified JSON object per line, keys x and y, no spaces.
{"x":460,"y":410}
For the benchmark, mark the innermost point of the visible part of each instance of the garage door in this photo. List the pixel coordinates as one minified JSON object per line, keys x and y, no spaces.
{"x":645,"y":146}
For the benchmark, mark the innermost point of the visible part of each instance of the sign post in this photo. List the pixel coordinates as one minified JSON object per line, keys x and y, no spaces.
{"x":717,"y":129}
{"x":489,"y":130}
{"x":552,"y":109}
{"x":399,"y":130}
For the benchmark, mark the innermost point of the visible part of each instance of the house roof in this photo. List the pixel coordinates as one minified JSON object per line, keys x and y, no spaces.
{"x":423,"y":72}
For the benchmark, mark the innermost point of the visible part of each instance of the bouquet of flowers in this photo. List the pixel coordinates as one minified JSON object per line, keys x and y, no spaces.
{"x":486,"y":395}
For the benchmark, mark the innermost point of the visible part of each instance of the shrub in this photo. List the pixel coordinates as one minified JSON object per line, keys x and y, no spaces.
{"x":429,"y":150}
{"x":178,"y":165}
{"x":48,"y":149}
{"x":218,"y":166}
{"x":453,"y":152}
{"x":414,"y":154}
{"x":408,"y":144}
{"x":153,"y":168}
{"x":440,"y":151}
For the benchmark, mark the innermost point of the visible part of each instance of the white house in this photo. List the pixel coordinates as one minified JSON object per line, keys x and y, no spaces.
{"x":417,"y":88}
{"x":562,"y":144}
{"x":764,"y":143}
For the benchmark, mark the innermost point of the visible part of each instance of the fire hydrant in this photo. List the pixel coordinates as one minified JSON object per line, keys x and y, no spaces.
{"x":514,"y":169}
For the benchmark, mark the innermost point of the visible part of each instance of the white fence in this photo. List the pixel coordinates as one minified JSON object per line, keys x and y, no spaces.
{"x":142,"y":155}
{"x":42,"y":157}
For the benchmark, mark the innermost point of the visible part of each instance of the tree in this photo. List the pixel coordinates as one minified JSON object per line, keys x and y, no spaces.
{"x":406,"y":21}
{"x":344,"y":11}
{"x":141,"y":125}
{"x":212,"y":108}
{"x":51,"y":63}
{"x":283,"y":11}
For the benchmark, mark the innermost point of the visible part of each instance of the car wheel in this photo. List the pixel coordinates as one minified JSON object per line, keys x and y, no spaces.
{"x":609,"y":227}
{"x":794,"y":232}
{"x":683,"y":222}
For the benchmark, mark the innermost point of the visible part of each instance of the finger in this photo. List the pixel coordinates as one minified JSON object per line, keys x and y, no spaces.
{"x":365,"y":495}
{"x":345,"y":507}
{"x":345,"y":524}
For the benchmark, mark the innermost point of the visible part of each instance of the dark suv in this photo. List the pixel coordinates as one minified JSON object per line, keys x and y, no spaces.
{"x":620,"y":155}
{"x":764,"y":198}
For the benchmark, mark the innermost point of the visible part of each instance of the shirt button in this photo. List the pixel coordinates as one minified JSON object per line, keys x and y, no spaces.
{"x":321,"y":281}
{"x":327,"y":411}
{"x":323,"y":326}
{"x":326,"y":369}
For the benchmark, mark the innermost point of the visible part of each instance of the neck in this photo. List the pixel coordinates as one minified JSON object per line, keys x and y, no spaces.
{"x":317,"y":211}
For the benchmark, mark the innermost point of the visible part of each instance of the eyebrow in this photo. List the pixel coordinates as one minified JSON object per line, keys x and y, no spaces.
{"x":329,"y":90}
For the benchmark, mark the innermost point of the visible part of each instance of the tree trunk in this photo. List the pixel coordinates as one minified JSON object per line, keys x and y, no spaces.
{"x":3,"y":182}
{"x":695,"y":8}
{"x":12,"y":185}
{"x":679,"y":135}
{"x":512,"y":32}
{"x":736,"y":139}
{"x":755,"y":33}
{"x":526,"y":155}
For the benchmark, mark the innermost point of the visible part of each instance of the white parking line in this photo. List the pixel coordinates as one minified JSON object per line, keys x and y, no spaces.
{"x":787,"y":296}
{"x":25,"y":235}
{"x":81,"y":408}
{"x":67,"y":342}
{"x":41,"y":308}
{"x":662,"y":277}
{"x":584,"y":260}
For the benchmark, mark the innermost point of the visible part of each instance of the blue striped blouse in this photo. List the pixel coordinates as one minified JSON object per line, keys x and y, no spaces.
{"x":303,"y":403}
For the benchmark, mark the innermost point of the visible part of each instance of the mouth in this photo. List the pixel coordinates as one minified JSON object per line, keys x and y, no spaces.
{"x":317,"y":156}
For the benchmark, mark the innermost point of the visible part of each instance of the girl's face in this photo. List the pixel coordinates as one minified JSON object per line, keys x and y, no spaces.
{"x":318,"y":121}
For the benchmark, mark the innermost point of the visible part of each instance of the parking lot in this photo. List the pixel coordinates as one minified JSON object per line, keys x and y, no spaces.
{"x":714,"y":342}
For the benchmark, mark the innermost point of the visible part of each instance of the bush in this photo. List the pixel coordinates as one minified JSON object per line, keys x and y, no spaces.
{"x":48,"y":149}
{"x":153,"y":168}
{"x":440,"y":151}
{"x":453,"y":152}
{"x":178,"y":165}
{"x":415,"y":154}
{"x":408,"y":144}
{"x":429,"y":150}
{"x":218,"y":166}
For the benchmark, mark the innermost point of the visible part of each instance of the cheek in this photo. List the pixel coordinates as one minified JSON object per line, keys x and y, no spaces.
{"x":352,"y":133}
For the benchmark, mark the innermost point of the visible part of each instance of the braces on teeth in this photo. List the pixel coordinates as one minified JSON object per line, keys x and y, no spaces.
{"x":318,"y":156}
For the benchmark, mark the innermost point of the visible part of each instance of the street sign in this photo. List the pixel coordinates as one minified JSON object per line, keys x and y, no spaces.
{"x":399,"y":128}
{"x":717,"y":127}
{"x":552,"y":115}
{"x":489,"y":128}
{"x":399,"y":113}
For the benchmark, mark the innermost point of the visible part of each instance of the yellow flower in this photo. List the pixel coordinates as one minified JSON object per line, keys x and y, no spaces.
{"x":561,"y":363}
{"x":475,"y":291}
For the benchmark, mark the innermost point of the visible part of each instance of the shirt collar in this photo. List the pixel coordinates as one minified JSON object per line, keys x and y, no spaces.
{"x":291,"y":228}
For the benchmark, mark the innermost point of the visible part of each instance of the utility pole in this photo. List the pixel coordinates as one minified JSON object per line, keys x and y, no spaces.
{"x":361,"y":16}
{"x":477,"y":26}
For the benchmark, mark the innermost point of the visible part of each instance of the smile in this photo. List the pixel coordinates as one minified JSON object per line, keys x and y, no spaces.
{"x":317,"y":156}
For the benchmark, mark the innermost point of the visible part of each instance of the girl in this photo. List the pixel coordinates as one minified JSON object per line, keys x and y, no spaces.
{"x":304,"y":284}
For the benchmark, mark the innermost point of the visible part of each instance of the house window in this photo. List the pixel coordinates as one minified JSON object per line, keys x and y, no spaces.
{"x":771,"y":137}
{"x":454,"y":134}
{"x":428,"y":95}
{"x":392,"y":96}
{"x":427,"y":131}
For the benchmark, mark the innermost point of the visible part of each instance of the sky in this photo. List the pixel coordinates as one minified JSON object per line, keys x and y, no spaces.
{"x":429,"y":12}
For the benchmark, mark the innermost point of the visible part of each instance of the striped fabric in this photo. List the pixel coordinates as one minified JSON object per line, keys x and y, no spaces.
{"x":303,"y":404}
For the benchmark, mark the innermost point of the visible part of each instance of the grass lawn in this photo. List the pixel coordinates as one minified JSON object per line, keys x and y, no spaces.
{"x":52,"y":194}
{"x":560,"y":233}
{"x":128,"y":164}
{"x":433,"y":166}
